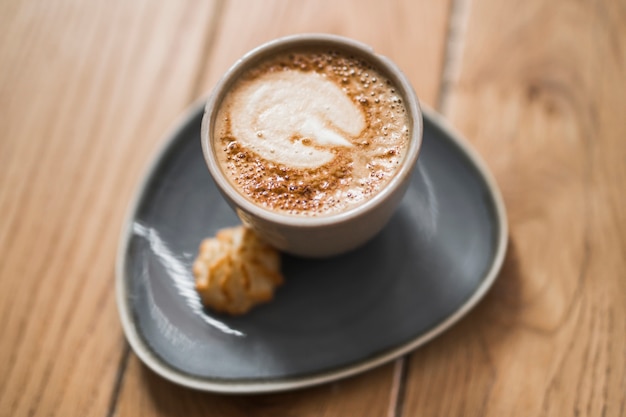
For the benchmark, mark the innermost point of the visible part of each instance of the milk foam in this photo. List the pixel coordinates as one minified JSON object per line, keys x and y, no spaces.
{"x":294,"y":118}
{"x":311,"y":132}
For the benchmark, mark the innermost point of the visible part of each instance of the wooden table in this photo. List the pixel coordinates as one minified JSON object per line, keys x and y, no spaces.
{"x":88,"y":88}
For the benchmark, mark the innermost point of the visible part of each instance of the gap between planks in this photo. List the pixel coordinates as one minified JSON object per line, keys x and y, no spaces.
{"x":119,"y":377}
{"x":453,"y":55}
{"x":396,"y":398}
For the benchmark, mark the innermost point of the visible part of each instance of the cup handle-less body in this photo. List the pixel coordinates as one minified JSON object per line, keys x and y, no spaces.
{"x":328,"y":235}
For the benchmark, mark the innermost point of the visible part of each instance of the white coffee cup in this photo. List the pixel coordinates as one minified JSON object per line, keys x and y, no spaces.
{"x":317,"y":236}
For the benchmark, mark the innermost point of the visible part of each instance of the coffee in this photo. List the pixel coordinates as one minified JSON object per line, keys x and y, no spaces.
{"x":311,"y":132}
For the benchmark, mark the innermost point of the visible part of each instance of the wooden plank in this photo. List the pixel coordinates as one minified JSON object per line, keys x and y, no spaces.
{"x":86,"y":90}
{"x":541,"y":94}
{"x":413,"y":34}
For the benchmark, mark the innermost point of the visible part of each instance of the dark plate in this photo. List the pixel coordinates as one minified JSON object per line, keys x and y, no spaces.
{"x":332,"y":318}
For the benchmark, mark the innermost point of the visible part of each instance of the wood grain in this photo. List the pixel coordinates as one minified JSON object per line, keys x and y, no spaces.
{"x":86,"y":90}
{"x":413,"y":34}
{"x":540,"y":92}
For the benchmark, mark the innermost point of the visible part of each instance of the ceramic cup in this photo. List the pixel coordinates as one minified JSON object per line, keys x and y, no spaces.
{"x":327,"y":235}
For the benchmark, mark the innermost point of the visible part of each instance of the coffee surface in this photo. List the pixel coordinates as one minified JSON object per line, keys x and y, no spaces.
{"x":311,"y":132}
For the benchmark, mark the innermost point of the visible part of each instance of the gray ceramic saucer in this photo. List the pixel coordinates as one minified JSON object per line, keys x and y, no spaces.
{"x":332,"y":318}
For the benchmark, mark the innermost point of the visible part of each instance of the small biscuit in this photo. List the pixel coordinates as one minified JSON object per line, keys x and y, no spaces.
{"x":236,"y":270}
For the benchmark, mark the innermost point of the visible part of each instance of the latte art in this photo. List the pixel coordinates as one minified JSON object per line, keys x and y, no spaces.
{"x":294,"y":118}
{"x":311,"y":133}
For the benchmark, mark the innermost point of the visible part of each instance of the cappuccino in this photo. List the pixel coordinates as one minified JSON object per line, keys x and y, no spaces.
{"x":311,"y":132}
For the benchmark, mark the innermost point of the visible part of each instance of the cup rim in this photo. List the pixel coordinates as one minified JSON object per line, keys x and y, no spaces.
{"x":382,"y":63}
